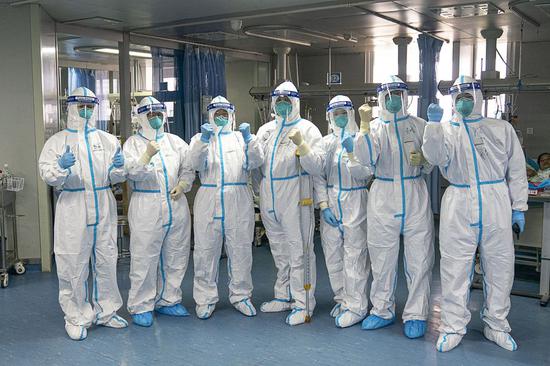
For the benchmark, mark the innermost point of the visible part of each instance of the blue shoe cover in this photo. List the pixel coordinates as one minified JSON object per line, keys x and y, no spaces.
{"x":376,"y":322}
{"x":174,"y":310}
{"x":414,"y":328}
{"x":143,"y":319}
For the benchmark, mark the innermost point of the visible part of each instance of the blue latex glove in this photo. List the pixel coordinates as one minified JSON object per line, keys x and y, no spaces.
{"x":244,"y":128}
{"x":66,"y":160}
{"x":435,"y":113}
{"x":347,"y":143}
{"x":542,"y":185}
{"x":118,"y":159}
{"x":329,"y":217}
{"x":518,"y":217}
{"x":206,"y":132}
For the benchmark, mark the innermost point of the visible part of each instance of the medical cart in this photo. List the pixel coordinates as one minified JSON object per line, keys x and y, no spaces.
{"x":9,"y":256}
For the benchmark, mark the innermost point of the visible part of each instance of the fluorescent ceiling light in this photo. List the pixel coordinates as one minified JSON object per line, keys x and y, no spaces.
{"x":277,"y":38}
{"x":113,"y":51}
{"x":93,"y":20}
{"x":24,"y":2}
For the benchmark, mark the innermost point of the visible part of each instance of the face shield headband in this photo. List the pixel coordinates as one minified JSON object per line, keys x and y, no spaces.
{"x":462,"y":107}
{"x":81,"y":99}
{"x":155,"y":107}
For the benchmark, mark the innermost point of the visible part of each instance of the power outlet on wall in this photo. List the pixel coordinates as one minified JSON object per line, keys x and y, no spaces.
{"x":529,"y":130}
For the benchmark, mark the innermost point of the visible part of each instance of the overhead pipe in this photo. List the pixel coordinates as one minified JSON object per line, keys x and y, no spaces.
{"x":135,"y":39}
{"x":488,"y":87}
{"x":514,"y":7}
{"x":398,"y":22}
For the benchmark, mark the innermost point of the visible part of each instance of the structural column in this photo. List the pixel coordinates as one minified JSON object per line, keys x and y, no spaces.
{"x":456,"y":59}
{"x":491,"y":36}
{"x":125,"y":86}
{"x":402,"y":44}
{"x":281,"y":72}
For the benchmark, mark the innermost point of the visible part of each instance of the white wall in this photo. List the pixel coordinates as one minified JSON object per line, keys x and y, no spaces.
{"x":313,"y":70}
{"x":534,"y":108}
{"x":240,"y":77}
{"x":21,"y":106}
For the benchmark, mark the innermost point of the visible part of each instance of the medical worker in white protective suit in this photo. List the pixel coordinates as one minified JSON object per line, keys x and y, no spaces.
{"x":223,"y":209}
{"x":399,"y":205}
{"x":483,"y":161}
{"x":83,"y":163}
{"x":343,"y":207}
{"x":159,"y":174}
{"x":286,"y":222}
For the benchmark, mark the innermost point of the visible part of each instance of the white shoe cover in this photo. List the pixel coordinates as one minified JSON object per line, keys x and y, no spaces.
{"x":347,"y":318}
{"x":502,"y":339}
{"x":76,"y":332}
{"x":275,"y":306}
{"x":296,"y":317}
{"x":448,"y":341}
{"x":245,"y":307}
{"x":336,"y":310}
{"x":116,"y":322}
{"x":205,"y":311}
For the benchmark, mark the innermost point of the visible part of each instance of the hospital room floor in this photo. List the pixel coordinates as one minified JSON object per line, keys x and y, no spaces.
{"x":32,"y":329}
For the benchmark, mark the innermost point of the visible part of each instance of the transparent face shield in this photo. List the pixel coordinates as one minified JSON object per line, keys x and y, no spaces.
{"x":154,"y":113}
{"x":85,"y":110}
{"x":155,"y":119}
{"x":340,"y":116}
{"x":340,"y":119}
{"x":221,"y":117}
{"x":395,"y":102}
{"x":465,"y":102}
{"x":282,"y":106}
{"x":221,"y":114}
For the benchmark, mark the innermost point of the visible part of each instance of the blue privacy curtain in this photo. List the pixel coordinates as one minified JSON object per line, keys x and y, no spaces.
{"x":200,"y":74}
{"x":429,"y":48}
{"x":81,"y":77}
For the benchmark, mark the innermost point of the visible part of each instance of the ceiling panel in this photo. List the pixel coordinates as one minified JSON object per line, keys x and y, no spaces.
{"x":367,"y":28}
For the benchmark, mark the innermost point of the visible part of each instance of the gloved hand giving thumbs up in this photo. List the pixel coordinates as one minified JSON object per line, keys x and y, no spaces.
{"x":66,"y":160}
{"x":118,"y":159}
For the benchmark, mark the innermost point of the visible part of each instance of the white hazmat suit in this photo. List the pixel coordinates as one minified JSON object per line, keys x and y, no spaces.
{"x":223,"y":210}
{"x":160,"y":224}
{"x":399,"y":205}
{"x":484,"y":163}
{"x":85,"y":218}
{"x":279,"y":204}
{"x":344,"y":246}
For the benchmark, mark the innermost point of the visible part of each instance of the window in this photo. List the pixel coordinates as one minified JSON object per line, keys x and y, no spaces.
{"x":413,"y":61}
{"x":385,"y":62}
